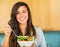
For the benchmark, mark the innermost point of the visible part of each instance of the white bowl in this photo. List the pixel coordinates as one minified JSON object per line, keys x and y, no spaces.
{"x":25,"y":43}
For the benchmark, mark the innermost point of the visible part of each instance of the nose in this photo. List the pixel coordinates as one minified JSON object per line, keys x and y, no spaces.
{"x":21,"y":14}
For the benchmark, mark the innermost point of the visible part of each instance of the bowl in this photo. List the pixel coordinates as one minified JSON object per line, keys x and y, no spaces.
{"x":25,"y":43}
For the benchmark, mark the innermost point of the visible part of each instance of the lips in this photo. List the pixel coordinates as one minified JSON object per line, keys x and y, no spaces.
{"x":22,"y":19}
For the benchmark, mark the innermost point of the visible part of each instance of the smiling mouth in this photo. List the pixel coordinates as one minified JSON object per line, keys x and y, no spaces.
{"x":22,"y":19}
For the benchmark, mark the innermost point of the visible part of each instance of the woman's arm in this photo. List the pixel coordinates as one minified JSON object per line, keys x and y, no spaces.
{"x":43,"y":43}
{"x":7,"y":32}
{"x":40,"y":38}
{"x":5,"y":42}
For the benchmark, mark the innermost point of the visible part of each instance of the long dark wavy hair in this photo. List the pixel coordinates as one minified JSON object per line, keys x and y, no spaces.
{"x":15,"y":25}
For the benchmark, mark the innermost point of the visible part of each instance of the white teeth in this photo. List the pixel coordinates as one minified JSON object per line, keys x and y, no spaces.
{"x":21,"y":18}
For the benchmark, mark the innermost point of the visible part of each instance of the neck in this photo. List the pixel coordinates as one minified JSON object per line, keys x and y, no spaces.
{"x":23,"y":28}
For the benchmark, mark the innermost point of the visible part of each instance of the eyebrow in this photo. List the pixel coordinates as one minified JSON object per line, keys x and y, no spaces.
{"x":23,"y":10}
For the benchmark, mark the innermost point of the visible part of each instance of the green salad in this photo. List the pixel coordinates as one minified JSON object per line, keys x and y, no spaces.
{"x":25,"y":38}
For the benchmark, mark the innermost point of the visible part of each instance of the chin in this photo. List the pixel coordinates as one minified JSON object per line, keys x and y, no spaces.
{"x":23,"y":22}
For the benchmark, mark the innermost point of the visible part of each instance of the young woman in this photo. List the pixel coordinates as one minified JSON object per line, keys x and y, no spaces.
{"x":21,"y":23}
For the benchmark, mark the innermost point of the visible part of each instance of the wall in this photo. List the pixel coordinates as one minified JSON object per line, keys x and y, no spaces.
{"x":5,"y":9}
{"x":45,"y":13}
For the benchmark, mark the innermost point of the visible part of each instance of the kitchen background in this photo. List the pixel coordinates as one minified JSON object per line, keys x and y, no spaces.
{"x":45,"y":14}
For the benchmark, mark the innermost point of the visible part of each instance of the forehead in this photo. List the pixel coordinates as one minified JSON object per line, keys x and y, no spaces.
{"x":21,"y":8}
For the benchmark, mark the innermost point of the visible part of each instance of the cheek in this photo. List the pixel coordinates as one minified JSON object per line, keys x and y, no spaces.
{"x":27,"y":17}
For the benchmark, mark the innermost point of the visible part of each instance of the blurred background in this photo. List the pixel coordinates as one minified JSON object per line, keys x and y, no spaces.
{"x":45,"y":14}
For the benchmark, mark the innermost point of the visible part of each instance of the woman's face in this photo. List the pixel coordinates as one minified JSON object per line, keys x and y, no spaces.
{"x":22,"y":15}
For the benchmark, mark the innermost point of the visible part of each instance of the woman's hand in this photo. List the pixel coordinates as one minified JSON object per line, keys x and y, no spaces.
{"x":33,"y":45}
{"x":7,"y":31}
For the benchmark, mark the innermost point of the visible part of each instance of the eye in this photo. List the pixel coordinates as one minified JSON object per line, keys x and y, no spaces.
{"x":17,"y":12}
{"x":24,"y":11}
